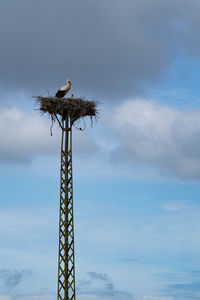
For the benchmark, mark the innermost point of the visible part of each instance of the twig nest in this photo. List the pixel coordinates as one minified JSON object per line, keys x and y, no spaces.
{"x":75,"y":108}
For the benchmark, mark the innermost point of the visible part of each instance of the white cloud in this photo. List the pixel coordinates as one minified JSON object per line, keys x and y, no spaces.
{"x":142,"y":132}
{"x":23,"y":135}
{"x":175,"y":206}
{"x":26,"y":135}
{"x":158,"y":135}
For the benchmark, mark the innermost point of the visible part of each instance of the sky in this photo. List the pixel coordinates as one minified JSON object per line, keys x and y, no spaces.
{"x":136,"y":170}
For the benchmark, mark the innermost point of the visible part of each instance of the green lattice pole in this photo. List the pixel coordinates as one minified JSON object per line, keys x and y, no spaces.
{"x":66,"y":265}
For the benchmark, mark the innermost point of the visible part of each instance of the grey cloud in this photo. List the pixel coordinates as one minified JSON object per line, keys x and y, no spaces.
{"x":186,"y":284}
{"x":116,"y":295}
{"x":109,"y":287}
{"x":83,"y":284}
{"x":108,"y":48}
{"x":99,"y":276}
{"x":184,"y":290}
{"x":195,"y":274}
{"x":108,"y":291}
{"x":191,"y":287}
{"x":13,"y":278}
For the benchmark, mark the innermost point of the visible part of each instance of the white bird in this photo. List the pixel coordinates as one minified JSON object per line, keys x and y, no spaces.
{"x":63,"y":90}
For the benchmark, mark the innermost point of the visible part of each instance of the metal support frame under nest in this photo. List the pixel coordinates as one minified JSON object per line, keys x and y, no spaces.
{"x":66,"y":263}
{"x":66,"y":111}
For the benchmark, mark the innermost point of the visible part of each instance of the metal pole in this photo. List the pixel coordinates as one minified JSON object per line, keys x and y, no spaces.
{"x":66,"y":262}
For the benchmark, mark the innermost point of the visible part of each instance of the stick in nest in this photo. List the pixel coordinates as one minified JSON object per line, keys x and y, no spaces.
{"x":75,"y":108}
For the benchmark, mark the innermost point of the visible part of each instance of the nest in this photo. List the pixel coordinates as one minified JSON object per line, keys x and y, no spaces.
{"x":74,"y":108}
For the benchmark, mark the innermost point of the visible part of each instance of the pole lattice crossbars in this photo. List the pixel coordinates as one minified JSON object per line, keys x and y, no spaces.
{"x":66,"y":111}
{"x":66,"y":263}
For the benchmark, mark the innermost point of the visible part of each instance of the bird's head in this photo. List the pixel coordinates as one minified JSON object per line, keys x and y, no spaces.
{"x":68,"y":81}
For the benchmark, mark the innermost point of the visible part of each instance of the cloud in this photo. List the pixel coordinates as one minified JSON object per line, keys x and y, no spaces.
{"x":45,"y":296}
{"x":108,"y":48}
{"x":95,"y":295}
{"x":13,"y":278}
{"x":92,"y":290}
{"x":158,"y":135}
{"x":175,"y":206}
{"x":186,"y":287}
{"x":84,"y":297}
{"x":99,"y":276}
{"x":185,"y":290}
{"x":25,"y":135}
{"x":156,"y":298}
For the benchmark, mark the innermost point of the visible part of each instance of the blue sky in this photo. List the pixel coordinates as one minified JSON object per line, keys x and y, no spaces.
{"x":136,"y":171}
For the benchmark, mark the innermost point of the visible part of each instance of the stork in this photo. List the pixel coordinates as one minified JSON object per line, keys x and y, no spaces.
{"x":63,"y":90}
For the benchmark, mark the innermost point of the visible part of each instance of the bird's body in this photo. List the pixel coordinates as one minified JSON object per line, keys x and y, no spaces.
{"x":63,"y":90}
